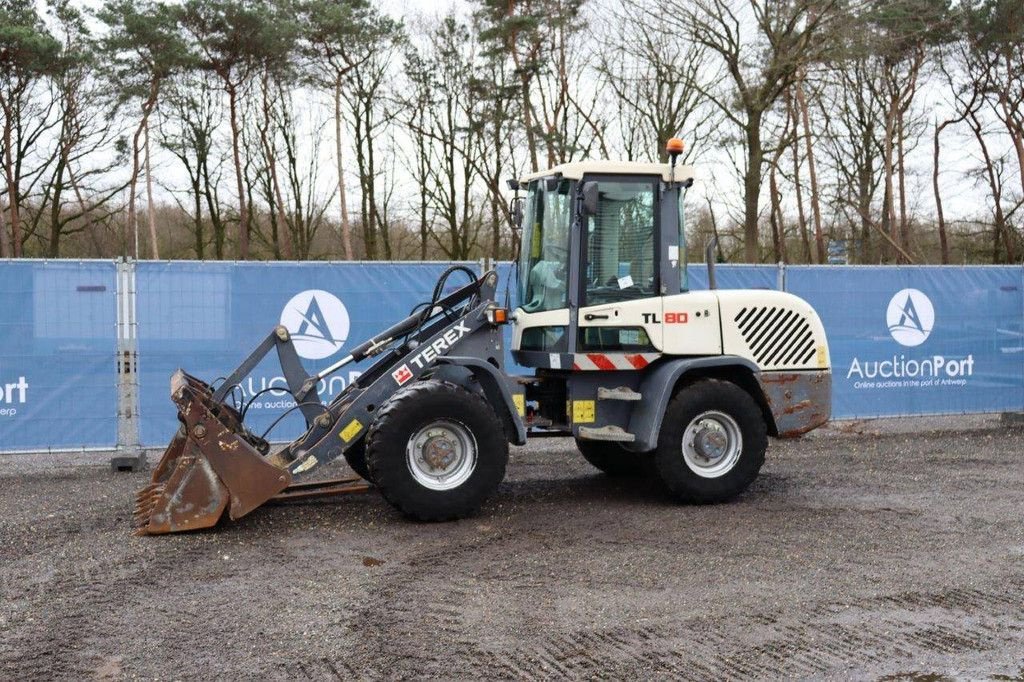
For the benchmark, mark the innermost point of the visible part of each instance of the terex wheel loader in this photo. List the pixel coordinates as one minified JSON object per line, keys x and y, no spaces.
{"x":642,"y":372}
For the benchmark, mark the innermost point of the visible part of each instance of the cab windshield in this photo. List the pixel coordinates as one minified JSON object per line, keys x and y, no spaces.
{"x":544,"y":258}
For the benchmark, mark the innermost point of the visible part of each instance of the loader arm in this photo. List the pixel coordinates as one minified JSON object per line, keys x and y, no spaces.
{"x":215,"y":463}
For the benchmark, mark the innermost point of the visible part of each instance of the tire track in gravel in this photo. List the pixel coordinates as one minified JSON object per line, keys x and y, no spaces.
{"x":78,"y":590}
{"x":62,"y":598}
{"x":887,"y":629}
{"x":411,"y":621}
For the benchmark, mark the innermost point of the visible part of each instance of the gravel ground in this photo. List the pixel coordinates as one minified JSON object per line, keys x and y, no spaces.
{"x":872,"y":550}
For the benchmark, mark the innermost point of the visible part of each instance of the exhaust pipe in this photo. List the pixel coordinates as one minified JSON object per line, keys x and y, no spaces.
{"x":709,"y":257}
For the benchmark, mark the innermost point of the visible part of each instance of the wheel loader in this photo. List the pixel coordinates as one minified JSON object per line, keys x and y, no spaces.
{"x":645,"y":374}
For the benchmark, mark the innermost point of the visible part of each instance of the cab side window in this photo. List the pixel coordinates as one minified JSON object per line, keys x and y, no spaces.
{"x":620,"y":243}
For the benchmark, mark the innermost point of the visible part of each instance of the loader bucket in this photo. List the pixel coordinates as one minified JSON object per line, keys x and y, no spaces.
{"x":208,"y":467}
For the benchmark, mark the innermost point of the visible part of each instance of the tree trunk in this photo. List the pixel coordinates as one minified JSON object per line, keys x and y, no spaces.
{"x":778,"y":226}
{"x":943,"y":241}
{"x":57,"y":189}
{"x":1017,"y":135}
{"x":865,"y":174}
{"x":243,"y":209}
{"x":528,"y":114}
{"x":213,"y":208}
{"x":3,"y":234}
{"x":901,"y":163}
{"x":12,"y":186}
{"x":495,"y":183}
{"x":285,"y":239}
{"x":133,"y":182}
{"x":889,"y":207}
{"x":346,"y":226}
{"x":365,"y":219}
{"x":371,"y":165}
{"x":793,"y":117}
{"x":752,"y":189}
{"x":1014,"y":124}
{"x":142,"y":133}
{"x":1000,"y":228}
{"x":819,"y":237}
{"x":197,"y":205}
{"x":150,"y":208}
{"x":773,"y":217}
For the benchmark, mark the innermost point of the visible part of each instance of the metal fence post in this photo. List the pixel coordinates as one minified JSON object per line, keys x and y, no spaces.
{"x":781,"y":277}
{"x":1016,"y":418}
{"x":129,"y":456}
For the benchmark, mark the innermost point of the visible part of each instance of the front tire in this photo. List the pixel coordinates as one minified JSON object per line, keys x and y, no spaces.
{"x":436,"y":452}
{"x":355,"y":456}
{"x":712,"y":442}
{"x":612,"y":458}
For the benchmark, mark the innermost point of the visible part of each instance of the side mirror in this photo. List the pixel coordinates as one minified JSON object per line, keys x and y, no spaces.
{"x":515,"y":210}
{"x":590,"y":198}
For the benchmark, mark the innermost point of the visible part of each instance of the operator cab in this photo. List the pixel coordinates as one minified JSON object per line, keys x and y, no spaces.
{"x":600,"y":240}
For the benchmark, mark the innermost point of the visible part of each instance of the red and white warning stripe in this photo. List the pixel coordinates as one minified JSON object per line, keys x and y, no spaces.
{"x":607,"y":361}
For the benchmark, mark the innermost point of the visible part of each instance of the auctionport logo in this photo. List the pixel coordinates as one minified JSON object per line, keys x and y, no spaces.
{"x":12,"y":394}
{"x":318,"y":322}
{"x":910,"y":317}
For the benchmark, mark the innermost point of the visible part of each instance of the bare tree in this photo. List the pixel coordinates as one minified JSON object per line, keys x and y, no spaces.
{"x":302,"y":176}
{"x":371,"y":111}
{"x":230,"y":37}
{"x":340,"y":37}
{"x":761,"y":65}
{"x":79,"y":189}
{"x":187,"y":130}
{"x":29,"y":54}
{"x":538,"y":37}
{"x":656,"y":81}
{"x":143,"y":49}
{"x":442,"y":74}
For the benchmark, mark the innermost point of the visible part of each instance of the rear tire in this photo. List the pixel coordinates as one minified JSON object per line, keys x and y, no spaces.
{"x":712,"y":442}
{"x":436,"y":452}
{"x":613,"y":459}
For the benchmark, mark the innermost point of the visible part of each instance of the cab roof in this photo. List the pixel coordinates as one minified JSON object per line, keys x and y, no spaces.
{"x":577,"y":169}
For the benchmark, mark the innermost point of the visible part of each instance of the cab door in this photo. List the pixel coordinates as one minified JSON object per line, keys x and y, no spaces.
{"x":620,"y":304}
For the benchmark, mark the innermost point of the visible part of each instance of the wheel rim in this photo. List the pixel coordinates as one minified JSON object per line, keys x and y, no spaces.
{"x":441,"y":455}
{"x":712,"y":444}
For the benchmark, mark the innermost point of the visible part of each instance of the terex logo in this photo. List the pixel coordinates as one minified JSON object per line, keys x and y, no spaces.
{"x":438,"y":346}
{"x":910,"y":317}
{"x":318,"y":322}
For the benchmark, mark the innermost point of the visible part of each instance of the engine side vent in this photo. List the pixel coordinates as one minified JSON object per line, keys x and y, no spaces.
{"x":776,"y":336}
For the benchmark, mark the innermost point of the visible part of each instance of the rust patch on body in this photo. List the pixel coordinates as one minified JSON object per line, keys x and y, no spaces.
{"x":799,"y":401}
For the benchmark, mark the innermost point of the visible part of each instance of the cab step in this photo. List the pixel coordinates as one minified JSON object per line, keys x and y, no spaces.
{"x":609,"y":433}
{"x":620,"y":393}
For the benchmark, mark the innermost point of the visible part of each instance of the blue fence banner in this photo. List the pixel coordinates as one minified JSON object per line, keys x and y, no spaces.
{"x":58,"y":360}
{"x":919,"y":340}
{"x":733,"y":276}
{"x":206,"y":317}
{"x":904,"y":341}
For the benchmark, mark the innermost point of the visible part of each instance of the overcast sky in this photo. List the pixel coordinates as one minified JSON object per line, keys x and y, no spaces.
{"x":716,"y":174}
